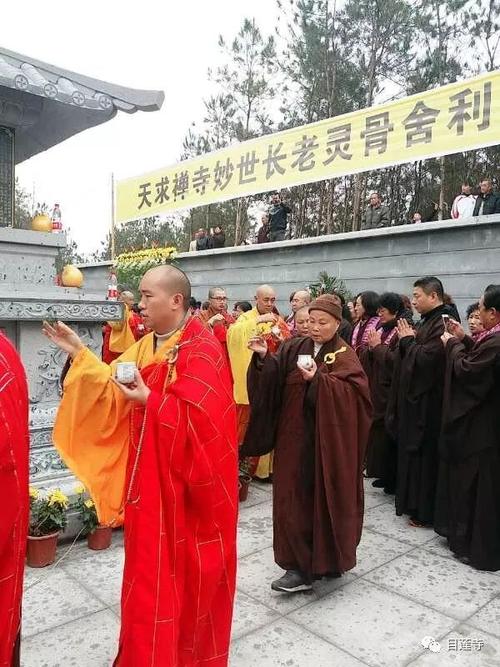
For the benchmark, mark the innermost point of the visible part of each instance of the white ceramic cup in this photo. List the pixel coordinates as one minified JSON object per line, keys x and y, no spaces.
{"x":125,"y":371}
{"x":305,"y":361}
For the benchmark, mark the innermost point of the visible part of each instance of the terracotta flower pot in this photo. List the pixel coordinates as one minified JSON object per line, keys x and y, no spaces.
{"x":244,"y":483}
{"x":41,"y":550}
{"x":100,"y":538}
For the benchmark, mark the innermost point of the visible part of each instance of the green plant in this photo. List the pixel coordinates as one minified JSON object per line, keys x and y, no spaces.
{"x":86,"y":510}
{"x":327,"y":285}
{"x":48,"y":513}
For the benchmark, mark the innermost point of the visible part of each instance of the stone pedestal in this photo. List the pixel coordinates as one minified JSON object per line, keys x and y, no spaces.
{"x":28,"y":296}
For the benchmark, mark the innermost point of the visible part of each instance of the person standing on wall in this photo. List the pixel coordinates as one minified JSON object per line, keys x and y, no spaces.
{"x":464,"y":203}
{"x":278,"y":212}
{"x":376,"y":214}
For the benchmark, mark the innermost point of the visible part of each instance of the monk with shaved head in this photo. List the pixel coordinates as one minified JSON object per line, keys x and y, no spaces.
{"x":158,"y":452}
{"x":262,"y":321}
{"x":216,"y":318}
{"x":298,"y":300}
{"x":119,"y":336}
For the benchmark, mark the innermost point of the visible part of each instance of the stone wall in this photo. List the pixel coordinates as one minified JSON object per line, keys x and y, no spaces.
{"x":28,"y":295}
{"x":465,"y":255}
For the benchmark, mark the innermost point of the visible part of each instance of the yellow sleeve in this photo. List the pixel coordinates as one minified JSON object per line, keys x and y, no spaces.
{"x":91,"y":432}
{"x":121,"y":337}
{"x":238,"y":336}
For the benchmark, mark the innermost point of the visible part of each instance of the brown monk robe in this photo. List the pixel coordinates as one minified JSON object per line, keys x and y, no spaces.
{"x":468,"y":499}
{"x":414,"y":412}
{"x":318,"y":420}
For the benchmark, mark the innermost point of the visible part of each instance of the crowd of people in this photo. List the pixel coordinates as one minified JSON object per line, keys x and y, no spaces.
{"x":273,"y":227}
{"x":425,"y":388}
{"x":313,"y":402}
{"x":473,"y":201}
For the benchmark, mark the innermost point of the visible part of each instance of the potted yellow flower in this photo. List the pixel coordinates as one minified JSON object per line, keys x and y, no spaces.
{"x":98,"y":537}
{"x":48,"y":517}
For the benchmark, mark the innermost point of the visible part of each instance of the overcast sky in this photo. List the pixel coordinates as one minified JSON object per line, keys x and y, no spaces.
{"x":156,"y":44}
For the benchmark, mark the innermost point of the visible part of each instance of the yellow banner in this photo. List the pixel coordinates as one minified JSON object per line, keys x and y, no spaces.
{"x":457,"y":117}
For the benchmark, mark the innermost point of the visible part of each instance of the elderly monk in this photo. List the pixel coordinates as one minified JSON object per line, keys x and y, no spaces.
{"x":119,"y":336}
{"x":315,"y":411}
{"x":468,"y":498}
{"x":299,"y":299}
{"x":14,"y":442}
{"x":160,"y":453}
{"x":263,"y":321}
{"x":216,"y":318}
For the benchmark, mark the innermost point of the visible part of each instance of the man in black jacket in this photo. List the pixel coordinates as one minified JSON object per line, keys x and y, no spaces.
{"x":487,"y":202}
{"x":217,"y":237}
{"x":277,"y":218}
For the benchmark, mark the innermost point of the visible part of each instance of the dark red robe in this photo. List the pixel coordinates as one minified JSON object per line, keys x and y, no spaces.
{"x":14,"y":481}
{"x":468,"y":499}
{"x":180,"y":526}
{"x":319,"y":432}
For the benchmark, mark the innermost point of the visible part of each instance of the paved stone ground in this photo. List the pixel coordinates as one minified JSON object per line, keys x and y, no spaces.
{"x":405,"y":587}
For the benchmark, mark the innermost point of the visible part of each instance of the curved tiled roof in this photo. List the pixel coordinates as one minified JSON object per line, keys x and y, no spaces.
{"x":47,"y":104}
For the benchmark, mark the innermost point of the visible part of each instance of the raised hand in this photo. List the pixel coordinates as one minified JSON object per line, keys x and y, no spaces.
{"x":455,"y":329}
{"x":374,"y":338}
{"x":267,"y":317}
{"x":216,"y":318}
{"x":259,"y":345}
{"x":134,"y":391}
{"x":404,"y":329}
{"x":64,"y":337}
{"x":446,"y":337}
{"x":308,"y":373}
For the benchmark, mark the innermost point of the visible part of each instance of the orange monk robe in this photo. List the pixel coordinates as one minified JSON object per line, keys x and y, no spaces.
{"x":14,"y":444}
{"x":180,"y":504}
{"x":238,"y":335}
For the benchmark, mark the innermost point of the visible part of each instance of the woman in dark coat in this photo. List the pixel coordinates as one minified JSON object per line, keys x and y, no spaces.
{"x":378,"y":361}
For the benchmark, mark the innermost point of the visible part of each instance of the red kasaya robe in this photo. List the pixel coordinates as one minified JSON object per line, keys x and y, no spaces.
{"x":219,"y":329}
{"x":14,"y":444}
{"x":180,"y":505}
